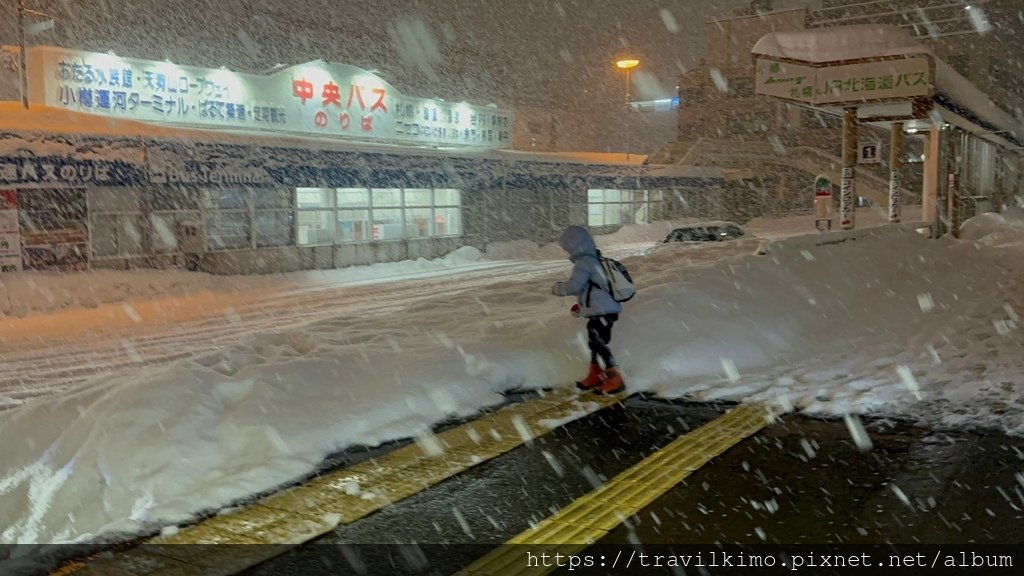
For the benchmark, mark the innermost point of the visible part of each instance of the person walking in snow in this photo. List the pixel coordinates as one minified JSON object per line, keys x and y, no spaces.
{"x":595,"y":303}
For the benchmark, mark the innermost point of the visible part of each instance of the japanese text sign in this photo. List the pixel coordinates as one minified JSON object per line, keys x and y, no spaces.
{"x":902,"y":78}
{"x":316,"y":98}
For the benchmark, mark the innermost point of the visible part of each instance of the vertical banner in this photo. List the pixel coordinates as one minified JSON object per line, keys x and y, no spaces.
{"x":895,"y":178}
{"x":10,"y":233}
{"x":846,"y":198}
{"x":895,"y":210}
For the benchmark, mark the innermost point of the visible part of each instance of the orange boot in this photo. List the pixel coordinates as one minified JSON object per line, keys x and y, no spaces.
{"x":593,"y":379}
{"x":612,"y":383}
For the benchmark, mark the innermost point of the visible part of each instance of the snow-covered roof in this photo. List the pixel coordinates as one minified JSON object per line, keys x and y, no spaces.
{"x":45,"y":119}
{"x":38,"y":126}
{"x":957,"y":95}
{"x":958,"y":100}
{"x":820,"y":45}
{"x":615,"y":158}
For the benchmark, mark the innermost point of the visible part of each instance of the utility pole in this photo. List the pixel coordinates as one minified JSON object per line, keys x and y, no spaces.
{"x":21,"y":45}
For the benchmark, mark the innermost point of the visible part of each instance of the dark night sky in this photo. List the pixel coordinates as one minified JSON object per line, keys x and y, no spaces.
{"x":511,"y":52}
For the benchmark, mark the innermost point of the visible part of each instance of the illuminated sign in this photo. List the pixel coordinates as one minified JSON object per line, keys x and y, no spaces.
{"x":880,"y":80}
{"x":316,"y":98}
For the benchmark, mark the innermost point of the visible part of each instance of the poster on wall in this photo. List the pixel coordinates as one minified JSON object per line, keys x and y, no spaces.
{"x":54,"y":235}
{"x":10,"y":237}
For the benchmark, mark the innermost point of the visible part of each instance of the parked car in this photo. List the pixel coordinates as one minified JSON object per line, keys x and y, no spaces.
{"x":705,"y":232}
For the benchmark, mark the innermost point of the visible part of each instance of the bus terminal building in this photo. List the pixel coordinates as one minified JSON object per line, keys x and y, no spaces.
{"x":123,"y":163}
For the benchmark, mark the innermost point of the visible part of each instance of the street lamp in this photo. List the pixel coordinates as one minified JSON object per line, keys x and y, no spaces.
{"x":628,"y":64}
{"x":21,"y":44}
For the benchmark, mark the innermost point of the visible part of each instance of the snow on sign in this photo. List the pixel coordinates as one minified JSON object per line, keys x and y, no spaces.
{"x":317,"y":98}
{"x":852,"y":83}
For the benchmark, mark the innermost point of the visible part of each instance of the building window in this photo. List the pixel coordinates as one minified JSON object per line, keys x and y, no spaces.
{"x":353,"y":218}
{"x":387,"y":213}
{"x":342,"y":215}
{"x":419,"y":217}
{"x":447,"y":212}
{"x":273,"y":217}
{"x":171,"y":209}
{"x":115,"y":222}
{"x":315,"y":216}
{"x":227,"y":219}
{"x":612,"y":207}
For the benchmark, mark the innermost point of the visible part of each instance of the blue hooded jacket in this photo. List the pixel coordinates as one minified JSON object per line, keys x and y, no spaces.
{"x":587,"y":282}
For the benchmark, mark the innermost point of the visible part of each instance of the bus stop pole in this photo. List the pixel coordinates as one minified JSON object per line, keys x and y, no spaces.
{"x":930,"y":185}
{"x":847,"y":190}
{"x":895,"y":178}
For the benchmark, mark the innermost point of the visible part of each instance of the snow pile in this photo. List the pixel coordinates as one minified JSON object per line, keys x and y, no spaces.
{"x":992,"y":229}
{"x":773,"y":227}
{"x":882,"y":322}
{"x":524,"y":250}
{"x":31,"y":292}
{"x":628,"y":238}
{"x":141,"y":452}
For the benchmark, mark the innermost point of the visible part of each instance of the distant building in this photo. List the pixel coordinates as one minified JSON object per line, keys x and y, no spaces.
{"x":124,"y":163}
{"x":722,"y":122}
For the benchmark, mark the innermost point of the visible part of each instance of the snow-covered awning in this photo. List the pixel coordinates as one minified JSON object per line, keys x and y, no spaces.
{"x":829,"y":45}
{"x":43,"y":146}
{"x":793,"y":56}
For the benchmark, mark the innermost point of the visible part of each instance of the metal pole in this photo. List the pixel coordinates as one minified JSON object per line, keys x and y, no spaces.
{"x":847,"y":192}
{"x":930,"y":184}
{"x":953,"y":186}
{"x":628,"y":115}
{"x":21,"y":43}
{"x":895,"y":164}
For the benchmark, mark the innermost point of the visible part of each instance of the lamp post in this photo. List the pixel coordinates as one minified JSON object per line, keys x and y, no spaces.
{"x":628,"y":64}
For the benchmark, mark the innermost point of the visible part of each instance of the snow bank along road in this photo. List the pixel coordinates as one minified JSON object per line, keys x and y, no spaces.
{"x":891,"y":324}
{"x":46,"y":354}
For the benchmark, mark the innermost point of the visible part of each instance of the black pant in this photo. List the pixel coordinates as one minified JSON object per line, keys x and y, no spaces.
{"x":599,"y":334}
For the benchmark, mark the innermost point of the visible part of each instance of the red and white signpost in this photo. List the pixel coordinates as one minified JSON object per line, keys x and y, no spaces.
{"x":822,"y":203}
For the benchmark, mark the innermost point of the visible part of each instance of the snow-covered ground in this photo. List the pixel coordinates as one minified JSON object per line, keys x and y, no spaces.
{"x":249,"y":383}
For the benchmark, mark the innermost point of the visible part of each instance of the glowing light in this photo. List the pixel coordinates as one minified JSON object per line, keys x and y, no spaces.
{"x":627,"y":63}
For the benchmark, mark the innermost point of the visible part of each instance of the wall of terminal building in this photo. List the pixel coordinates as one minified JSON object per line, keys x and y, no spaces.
{"x":593,"y":128}
{"x":246,"y":230}
{"x":125,"y":202}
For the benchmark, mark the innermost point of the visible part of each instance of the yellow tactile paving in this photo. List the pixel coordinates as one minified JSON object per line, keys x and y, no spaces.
{"x":302,"y":513}
{"x":589,"y":518}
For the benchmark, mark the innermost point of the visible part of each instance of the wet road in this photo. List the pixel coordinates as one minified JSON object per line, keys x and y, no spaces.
{"x":799,"y":481}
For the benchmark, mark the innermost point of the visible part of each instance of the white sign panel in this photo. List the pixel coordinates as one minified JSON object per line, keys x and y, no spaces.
{"x":10,"y":236}
{"x":884,"y":80}
{"x":785,"y":80}
{"x":846,"y":83}
{"x":314,"y":98}
{"x":8,"y":221}
{"x":869,"y":153}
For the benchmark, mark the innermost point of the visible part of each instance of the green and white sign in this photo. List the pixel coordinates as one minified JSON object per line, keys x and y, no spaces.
{"x":893,"y":79}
